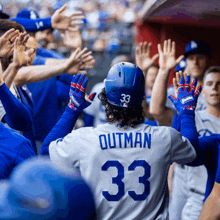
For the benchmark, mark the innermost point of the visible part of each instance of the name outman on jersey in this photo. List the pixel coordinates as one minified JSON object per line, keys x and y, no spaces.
{"x":124,"y":161}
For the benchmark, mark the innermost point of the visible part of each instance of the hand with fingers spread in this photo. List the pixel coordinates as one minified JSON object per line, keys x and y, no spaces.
{"x":72,"y":38}
{"x":77,"y":93}
{"x":88,"y":63}
{"x":76,"y":61}
{"x":186,"y":100}
{"x":62,"y":22}
{"x":167,"y":59}
{"x":19,"y":56}
{"x":6,"y":42}
{"x":143,"y":56}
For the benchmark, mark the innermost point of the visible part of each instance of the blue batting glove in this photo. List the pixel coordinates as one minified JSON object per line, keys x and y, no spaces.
{"x":77,"y":93}
{"x":186,"y":101}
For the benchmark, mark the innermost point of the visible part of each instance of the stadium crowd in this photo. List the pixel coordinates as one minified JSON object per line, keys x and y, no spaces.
{"x":68,"y":155}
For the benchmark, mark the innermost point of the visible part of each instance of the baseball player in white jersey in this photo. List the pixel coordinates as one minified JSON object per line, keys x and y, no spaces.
{"x":95,"y":113}
{"x":124,"y":161}
{"x":197,"y":57}
{"x":207,"y":123}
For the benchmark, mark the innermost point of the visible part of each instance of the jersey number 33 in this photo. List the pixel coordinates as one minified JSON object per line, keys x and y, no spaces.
{"x":121,"y":186}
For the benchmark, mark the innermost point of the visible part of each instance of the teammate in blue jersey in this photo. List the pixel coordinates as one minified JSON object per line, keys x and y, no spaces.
{"x":37,"y":189}
{"x":58,"y":21}
{"x":14,"y":149}
{"x":128,"y":159}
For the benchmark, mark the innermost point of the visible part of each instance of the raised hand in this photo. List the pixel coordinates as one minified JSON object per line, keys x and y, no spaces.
{"x":186,"y":100}
{"x":77,"y":61}
{"x":167,"y":59}
{"x":6,"y":42}
{"x":62,"y":22}
{"x":77,"y":93}
{"x":19,"y":56}
{"x":72,"y":38}
{"x":143,"y":56}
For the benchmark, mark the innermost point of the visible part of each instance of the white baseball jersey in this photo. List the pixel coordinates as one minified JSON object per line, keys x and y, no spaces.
{"x":125,"y":168}
{"x":206,"y":125}
{"x":97,"y":110}
{"x":201,"y":103}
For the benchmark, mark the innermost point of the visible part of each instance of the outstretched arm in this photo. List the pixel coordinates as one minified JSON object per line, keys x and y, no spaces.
{"x":76,"y":104}
{"x":71,"y":66}
{"x":58,"y":21}
{"x":185,"y":104}
{"x":167,"y":62}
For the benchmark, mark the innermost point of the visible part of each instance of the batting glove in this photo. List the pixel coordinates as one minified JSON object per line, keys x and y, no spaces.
{"x":186,"y":101}
{"x":77,"y":93}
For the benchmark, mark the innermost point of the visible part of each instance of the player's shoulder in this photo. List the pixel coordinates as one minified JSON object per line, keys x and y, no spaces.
{"x":12,"y":137}
{"x":202,"y":115}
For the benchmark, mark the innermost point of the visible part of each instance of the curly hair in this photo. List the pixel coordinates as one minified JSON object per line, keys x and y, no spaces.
{"x":123,"y":116}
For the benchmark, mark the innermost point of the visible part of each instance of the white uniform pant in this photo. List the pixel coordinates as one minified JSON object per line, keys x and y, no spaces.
{"x":179,"y":192}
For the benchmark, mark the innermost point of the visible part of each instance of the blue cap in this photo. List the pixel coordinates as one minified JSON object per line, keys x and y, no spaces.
{"x":3,"y":15}
{"x":198,"y":46}
{"x":39,"y":190}
{"x":27,"y":13}
{"x":181,"y":65}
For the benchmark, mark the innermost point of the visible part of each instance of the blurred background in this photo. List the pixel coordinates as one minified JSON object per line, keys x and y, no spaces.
{"x":113,"y":28}
{"x":108,"y":28}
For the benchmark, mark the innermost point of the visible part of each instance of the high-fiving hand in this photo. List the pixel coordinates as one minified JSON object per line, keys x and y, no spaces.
{"x":77,"y":61}
{"x":186,"y":100}
{"x":77,"y":93}
{"x":143,"y":56}
{"x":61,"y":21}
{"x":7,"y":42}
{"x":167,"y":59}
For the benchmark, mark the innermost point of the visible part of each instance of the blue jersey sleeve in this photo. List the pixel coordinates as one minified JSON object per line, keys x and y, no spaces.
{"x":38,"y":60}
{"x":217,"y":176}
{"x":176,"y":122}
{"x":18,"y":116}
{"x":34,"y":25}
{"x":188,"y":128}
{"x":88,"y":120}
{"x":206,"y":149}
{"x":62,"y":91}
{"x":63,"y":127}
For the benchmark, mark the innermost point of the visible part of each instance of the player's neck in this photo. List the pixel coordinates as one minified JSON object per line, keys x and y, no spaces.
{"x":214,"y":110}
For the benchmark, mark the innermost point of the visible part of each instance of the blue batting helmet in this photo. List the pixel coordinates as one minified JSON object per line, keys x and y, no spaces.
{"x":124,"y":85}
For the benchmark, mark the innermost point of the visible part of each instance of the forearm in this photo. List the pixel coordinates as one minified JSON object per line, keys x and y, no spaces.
{"x":17,"y":115}
{"x":32,"y":74}
{"x":33,"y":25}
{"x":159,"y":93}
{"x":188,"y":128}
{"x":176,"y":122}
{"x":52,"y":61}
{"x":210,"y":209}
{"x":10,"y":74}
{"x":63,"y":127}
